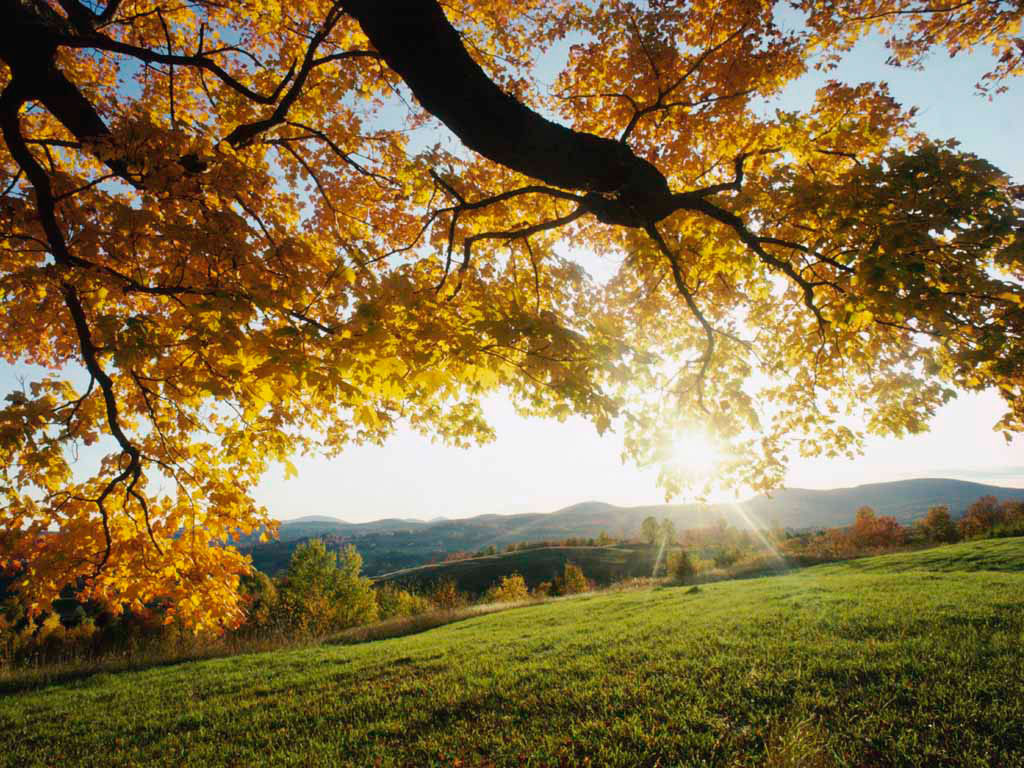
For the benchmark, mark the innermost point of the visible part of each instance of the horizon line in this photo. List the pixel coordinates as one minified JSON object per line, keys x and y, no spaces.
{"x":995,"y":473}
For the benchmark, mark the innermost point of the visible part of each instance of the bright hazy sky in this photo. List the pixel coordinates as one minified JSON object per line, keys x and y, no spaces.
{"x":542,"y":465}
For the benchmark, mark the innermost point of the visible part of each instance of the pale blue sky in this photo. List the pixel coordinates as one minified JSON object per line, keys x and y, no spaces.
{"x":541,"y":465}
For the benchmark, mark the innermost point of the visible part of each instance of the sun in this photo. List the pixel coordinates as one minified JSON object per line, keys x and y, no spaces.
{"x":696,"y":454}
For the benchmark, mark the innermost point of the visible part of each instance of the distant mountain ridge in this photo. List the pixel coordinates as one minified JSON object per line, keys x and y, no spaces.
{"x":392,"y":544}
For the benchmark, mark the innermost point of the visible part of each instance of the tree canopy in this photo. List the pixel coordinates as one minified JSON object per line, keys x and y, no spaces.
{"x":246,"y":224}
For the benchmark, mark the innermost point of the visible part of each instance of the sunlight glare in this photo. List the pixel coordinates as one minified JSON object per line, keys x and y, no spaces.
{"x":696,"y":454}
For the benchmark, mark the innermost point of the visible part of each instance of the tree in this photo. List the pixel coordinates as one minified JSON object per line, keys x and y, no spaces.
{"x":667,"y":531}
{"x":445,"y":594}
{"x":219,"y":252}
{"x":260,"y":599}
{"x":939,"y":526}
{"x":323,"y":590}
{"x":871,"y":531}
{"x":542,"y":590}
{"x":650,"y":530}
{"x":573,"y":581}
{"x":393,"y":601}
{"x":680,"y":567}
{"x":510,"y":589}
{"x":1013,"y":516}
{"x":864,"y":525}
{"x":981,"y":517}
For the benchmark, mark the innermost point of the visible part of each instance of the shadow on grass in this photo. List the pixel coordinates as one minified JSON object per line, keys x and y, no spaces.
{"x":29,"y":677}
{"x":412,"y":625}
{"x":18,"y":679}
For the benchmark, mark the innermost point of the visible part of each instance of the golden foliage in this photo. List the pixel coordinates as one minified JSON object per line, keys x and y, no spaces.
{"x":232,"y":219}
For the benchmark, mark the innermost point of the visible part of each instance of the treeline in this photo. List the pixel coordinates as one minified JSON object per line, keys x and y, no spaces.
{"x":602,"y":540}
{"x":321,"y":593}
{"x":721,"y":551}
{"x":988,"y":517}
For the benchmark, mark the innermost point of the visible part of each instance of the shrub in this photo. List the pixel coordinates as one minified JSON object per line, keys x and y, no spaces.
{"x":680,"y":567}
{"x":543,"y":589}
{"x":510,"y":589}
{"x":394,"y":602}
{"x":446,"y":596}
{"x":572,"y":581}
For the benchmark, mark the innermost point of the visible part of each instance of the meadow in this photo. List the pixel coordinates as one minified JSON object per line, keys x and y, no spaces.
{"x":912,"y":659}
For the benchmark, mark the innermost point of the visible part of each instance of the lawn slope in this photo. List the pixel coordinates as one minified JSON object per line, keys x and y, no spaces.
{"x":847,"y":665}
{"x":986,"y":555}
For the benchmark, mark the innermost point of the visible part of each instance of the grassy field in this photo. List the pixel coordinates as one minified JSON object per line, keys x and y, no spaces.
{"x":986,"y":555}
{"x":913,"y":659}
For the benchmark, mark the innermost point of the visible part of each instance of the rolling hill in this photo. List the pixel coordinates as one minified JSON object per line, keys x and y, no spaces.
{"x":395,"y":544}
{"x":603,"y":565}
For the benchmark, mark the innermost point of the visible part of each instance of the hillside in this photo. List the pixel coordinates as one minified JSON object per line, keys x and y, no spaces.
{"x":390,"y":545}
{"x":839,"y":665}
{"x":604,"y":565}
{"x":906,"y":500}
{"x":321,"y":525}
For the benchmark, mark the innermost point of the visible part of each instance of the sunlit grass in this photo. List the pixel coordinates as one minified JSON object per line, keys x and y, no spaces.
{"x":917,"y":663}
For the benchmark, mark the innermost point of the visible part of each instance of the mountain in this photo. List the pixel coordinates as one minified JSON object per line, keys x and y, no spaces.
{"x":394,"y":544}
{"x":312,"y":526}
{"x":906,"y":500}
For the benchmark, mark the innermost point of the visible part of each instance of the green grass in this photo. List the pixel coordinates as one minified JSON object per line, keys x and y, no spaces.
{"x":918,"y":662}
{"x":985,"y":555}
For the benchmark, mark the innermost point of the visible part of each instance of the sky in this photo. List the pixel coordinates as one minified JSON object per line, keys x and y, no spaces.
{"x":538,"y":465}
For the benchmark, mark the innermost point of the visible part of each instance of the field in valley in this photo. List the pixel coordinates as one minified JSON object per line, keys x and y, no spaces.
{"x":908,"y":659}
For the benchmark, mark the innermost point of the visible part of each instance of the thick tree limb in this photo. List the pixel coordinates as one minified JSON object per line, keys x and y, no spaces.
{"x":417,"y":41}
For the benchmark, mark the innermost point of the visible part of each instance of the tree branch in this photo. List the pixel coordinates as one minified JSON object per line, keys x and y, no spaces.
{"x":709,"y":331}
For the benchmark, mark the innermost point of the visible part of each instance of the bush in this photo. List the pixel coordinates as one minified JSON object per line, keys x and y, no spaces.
{"x":681,"y":567}
{"x":572,"y":581}
{"x":543,"y":589}
{"x":445,"y":595}
{"x":395,"y":602}
{"x":510,"y":589}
